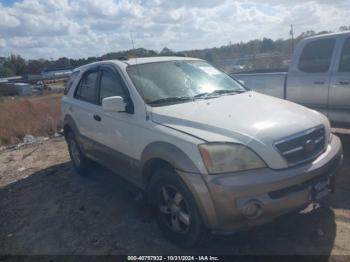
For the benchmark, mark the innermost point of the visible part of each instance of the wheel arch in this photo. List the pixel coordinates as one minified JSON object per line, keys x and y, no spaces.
{"x":158,"y":154}
{"x":69,"y":125}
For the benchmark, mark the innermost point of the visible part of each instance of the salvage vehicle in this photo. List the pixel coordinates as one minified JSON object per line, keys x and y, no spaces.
{"x":210,"y":155}
{"x":318,"y":77}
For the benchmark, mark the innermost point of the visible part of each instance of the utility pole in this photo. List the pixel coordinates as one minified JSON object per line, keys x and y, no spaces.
{"x":291,"y":32}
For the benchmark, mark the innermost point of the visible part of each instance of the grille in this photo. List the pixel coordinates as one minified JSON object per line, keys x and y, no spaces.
{"x":302,"y":147}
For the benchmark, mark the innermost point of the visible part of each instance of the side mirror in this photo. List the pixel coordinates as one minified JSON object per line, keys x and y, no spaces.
{"x":113,"y":104}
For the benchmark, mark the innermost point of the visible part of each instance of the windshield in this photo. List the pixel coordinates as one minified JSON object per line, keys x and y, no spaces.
{"x":162,"y":81}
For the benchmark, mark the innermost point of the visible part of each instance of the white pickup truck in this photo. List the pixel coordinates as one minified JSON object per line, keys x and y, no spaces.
{"x":318,"y":77}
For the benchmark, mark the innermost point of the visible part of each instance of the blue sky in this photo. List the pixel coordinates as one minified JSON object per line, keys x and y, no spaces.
{"x":7,"y":2}
{"x":81,"y":28}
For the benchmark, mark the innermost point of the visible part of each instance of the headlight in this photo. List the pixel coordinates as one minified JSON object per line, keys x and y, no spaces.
{"x":225,"y":157}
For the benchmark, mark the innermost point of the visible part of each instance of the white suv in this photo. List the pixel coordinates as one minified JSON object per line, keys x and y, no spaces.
{"x":211,"y":155}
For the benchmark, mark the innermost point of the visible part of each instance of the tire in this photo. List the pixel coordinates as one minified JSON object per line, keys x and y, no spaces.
{"x":175,"y":209}
{"x":80,"y":162}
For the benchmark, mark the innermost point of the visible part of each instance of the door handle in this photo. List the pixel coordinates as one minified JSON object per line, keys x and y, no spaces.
{"x":319,"y":82}
{"x":97,"y":118}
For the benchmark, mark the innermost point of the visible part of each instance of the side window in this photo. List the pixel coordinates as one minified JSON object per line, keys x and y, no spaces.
{"x":87,"y":87}
{"x":344,"y":65}
{"x":316,"y":56}
{"x":111,"y":85}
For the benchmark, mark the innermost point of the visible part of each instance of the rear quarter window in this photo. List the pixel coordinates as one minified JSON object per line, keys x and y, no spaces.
{"x":87,"y":87}
{"x":70,"y":81}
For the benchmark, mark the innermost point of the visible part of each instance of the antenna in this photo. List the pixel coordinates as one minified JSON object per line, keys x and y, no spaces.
{"x":132,"y":41}
{"x":138,"y":71}
{"x":133,"y":47}
{"x":291,"y":32}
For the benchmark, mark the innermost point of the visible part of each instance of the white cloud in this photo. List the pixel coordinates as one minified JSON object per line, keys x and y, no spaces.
{"x":81,"y":28}
{"x":2,"y":43}
{"x":8,"y":20}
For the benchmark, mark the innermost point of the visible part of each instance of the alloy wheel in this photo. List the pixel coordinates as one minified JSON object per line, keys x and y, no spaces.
{"x":174,"y":209}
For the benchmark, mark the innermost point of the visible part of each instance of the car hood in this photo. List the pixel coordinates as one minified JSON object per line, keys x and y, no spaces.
{"x":250,"y":118}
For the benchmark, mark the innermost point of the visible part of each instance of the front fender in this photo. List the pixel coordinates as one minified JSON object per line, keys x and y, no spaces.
{"x":189,"y":174}
{"x":169,"y":153}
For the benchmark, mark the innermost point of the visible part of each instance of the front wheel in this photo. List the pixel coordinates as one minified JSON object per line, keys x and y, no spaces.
{"x":175,"y":209}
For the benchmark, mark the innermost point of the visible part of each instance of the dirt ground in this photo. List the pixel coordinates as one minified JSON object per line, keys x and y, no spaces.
{"x":46,"y":208}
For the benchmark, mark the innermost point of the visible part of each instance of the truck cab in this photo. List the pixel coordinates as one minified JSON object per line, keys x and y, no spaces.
{"x":319,"y":76}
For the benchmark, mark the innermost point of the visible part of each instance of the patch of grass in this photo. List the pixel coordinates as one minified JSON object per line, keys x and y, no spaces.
{"x":38,"y":116}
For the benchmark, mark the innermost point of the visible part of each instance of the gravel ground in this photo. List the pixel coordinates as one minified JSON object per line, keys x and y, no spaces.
{"x":46,"y":208}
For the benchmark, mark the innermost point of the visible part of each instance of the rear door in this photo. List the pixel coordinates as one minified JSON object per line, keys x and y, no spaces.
{"x":339,"y":92}
{"x":309,"y":76}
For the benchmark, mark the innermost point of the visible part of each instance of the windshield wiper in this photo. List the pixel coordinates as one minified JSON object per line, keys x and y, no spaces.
{"x":180,"y":99}
{"x":172,"y":99}
{"x":218,"y":93}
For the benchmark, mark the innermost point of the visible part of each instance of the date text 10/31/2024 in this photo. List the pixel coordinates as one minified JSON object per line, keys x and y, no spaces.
{"x":173,"y":258}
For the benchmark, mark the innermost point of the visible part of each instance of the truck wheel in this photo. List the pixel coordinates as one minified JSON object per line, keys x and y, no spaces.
{"x":175,"y":209}
{"x":80,"y":162}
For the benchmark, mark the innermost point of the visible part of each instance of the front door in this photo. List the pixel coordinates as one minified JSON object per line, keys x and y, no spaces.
{"x":118,"y":130}
{"x":339,"y":93}
{"x":308,"y":78}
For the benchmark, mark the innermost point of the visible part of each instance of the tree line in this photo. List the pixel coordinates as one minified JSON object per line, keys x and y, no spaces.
{"x":258,"y":54}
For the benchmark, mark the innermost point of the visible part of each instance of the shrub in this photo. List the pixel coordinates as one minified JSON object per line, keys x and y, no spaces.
{"x":38,"y":116}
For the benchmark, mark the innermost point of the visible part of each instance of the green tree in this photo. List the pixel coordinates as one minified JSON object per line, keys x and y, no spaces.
{"x":267,"y":45}
{"x":166,"y":52}
{"x":6,"y":72}
{"x":16,"y":64}
{"x":36,"y":66}
{"x":209,"y":57}
{"x":306,"y":34}
{"x":344,"y":28}
{"x":62,"y":62}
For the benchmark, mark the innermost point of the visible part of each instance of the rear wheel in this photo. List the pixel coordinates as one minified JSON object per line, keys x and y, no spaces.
{"x":80,"y":162}
{"x":175,"y":209}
